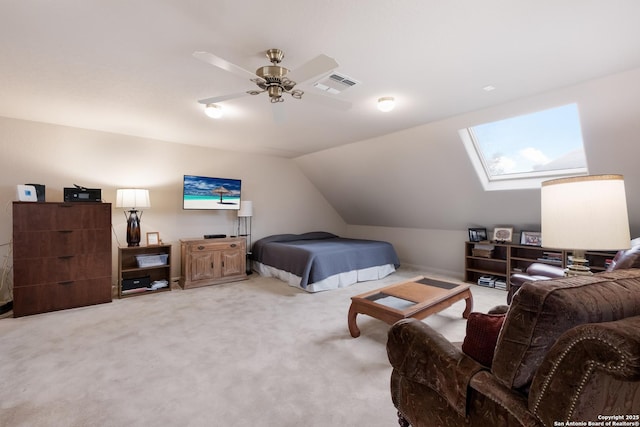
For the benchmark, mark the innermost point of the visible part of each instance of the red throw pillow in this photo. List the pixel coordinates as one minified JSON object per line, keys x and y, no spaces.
{"x":482,"y":336}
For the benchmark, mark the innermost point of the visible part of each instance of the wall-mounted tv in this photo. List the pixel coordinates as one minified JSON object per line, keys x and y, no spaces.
{"x":203,"y":192}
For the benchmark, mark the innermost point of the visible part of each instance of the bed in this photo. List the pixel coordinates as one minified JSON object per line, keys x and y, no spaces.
{"x":321,"y":261}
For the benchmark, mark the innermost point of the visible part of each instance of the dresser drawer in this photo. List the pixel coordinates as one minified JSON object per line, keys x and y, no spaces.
{"x":60,"y":216}
{"x":59,"y":296}
{"x":42,"y":244}
{"x":62,"y":268}
{"x":214,"y":246}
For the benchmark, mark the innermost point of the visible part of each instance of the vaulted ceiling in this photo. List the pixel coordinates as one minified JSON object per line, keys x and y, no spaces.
{"x":127,"y":66}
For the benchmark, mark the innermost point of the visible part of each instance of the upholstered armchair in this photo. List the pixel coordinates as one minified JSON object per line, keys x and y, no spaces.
{"x":568,"y":349}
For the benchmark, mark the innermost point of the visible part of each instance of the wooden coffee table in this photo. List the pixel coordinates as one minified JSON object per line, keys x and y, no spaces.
{"x":418,"y":298}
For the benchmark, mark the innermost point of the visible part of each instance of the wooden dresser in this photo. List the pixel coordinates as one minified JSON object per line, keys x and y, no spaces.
{"x":61,"y":256}
{"x":212,"y":261}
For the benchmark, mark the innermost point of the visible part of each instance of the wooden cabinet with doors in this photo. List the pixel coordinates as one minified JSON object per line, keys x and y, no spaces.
{"x":207,"y":262}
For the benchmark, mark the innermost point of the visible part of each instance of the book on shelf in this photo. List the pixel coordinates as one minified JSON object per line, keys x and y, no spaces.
{"x":550,"y":260}
{"x":134,"y":291}
{"x":487,"y":281}
{"x":551,"y":257}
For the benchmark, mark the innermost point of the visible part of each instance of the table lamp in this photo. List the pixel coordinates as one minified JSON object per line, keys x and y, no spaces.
{"x":133,"y":198}
{"x":585,"y":213}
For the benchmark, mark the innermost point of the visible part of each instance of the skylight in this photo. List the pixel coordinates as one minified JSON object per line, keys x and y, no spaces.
{"x":522,"y":151}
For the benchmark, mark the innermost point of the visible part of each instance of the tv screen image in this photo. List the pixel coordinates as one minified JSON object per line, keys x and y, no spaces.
{"x":202,"y":192}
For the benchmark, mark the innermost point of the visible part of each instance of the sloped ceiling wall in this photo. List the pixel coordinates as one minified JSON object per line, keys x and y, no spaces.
{"x":422,"y":178}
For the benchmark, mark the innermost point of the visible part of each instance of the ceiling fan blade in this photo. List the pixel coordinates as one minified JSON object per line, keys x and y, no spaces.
{"x":319,"y":65}
{"x":326,"y":101}
{"x":216,"y":61}
{"x":221,"y":98}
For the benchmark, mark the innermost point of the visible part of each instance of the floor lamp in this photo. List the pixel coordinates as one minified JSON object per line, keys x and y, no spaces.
{"x":133,"y":198}
{"x":244,"y":228}
{"x":585,"y":213}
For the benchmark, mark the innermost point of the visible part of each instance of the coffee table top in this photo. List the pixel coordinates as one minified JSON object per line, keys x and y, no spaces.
{"x":412,"y":295}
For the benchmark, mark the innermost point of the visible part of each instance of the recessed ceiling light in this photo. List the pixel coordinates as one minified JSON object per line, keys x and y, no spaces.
{"x":489,"y":88}
{"x":214,"y":111}
{"x":386,"y":103}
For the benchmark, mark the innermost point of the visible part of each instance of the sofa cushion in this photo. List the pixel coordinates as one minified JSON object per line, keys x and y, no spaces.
{"x":540,"y":312}
{"x":482,"y":335}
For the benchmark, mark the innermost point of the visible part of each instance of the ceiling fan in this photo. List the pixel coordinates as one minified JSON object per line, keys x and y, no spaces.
{"x":275,"y":79}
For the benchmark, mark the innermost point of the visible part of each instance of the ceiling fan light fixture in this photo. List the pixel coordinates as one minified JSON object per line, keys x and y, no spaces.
{"x":275,"y":93}
{"x":386,"y":103}
{"x":213,"y":110}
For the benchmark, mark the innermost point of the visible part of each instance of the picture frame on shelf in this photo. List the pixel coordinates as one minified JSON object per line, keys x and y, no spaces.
{"x":503,"y":234}
{"x":477,"y":234}
{"x":531,"y":238}
{"x":153,"y":238}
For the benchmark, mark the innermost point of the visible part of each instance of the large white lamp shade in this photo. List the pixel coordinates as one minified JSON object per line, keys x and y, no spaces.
{"x":585,"y":213}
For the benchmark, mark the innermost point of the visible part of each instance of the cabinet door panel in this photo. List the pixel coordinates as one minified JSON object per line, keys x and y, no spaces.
{"x":232,"y":262}
{"x":204,"y":265}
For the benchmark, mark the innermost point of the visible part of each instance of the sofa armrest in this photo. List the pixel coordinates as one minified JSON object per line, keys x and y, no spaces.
{"x":420,"y":354}
{"x":512,"y":401}
{"x":539,"y":269}
{"x":592,"y":369}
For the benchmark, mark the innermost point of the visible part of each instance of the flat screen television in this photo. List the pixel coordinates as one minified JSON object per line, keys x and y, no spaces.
{"x":203,"y":192}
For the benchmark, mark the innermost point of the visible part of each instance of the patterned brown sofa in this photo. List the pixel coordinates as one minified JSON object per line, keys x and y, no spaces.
{"x":569,"y":349}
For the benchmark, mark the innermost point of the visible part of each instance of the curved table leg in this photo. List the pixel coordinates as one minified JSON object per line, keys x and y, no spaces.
{"x":469,"y":301}
{"x":353,"y":328}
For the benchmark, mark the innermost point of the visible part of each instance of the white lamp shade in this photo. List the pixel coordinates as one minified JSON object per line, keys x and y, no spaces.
{"x":246,"y":209}
{"x":585,"y":213}
{"x":132,"y":198}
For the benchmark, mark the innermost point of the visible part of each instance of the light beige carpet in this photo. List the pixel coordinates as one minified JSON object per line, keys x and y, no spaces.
{"x":252,"y":353}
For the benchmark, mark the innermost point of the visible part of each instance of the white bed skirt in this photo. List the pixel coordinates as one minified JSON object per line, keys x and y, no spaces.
{"x":340,"y":280}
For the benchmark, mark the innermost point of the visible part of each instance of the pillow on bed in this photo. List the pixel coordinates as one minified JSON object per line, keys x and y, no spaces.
{"x":316,"y":235}
{"x":482,"y":336}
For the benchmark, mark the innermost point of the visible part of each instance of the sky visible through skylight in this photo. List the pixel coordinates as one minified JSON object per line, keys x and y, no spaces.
{"x":543,"y":141}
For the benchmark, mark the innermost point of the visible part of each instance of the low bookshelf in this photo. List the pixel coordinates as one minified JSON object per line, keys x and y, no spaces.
{"x":505,"y":259}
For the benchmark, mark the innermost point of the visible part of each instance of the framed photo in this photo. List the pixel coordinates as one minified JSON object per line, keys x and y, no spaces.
{"x":503,"y":234}
{"x":477,"y":234}
{"x":531,"y":238}
{"x":153,"y":238}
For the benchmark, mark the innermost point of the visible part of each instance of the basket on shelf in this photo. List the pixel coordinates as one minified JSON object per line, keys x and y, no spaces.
{"x":483,"y":253}
{"x":152,"y":260}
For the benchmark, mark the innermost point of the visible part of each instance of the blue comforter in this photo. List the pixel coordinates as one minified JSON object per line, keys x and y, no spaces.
{"x":318,"y":255}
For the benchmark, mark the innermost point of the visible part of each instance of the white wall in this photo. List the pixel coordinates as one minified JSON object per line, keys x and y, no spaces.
{"x":436,"y":251}
{"x":284,"y":200}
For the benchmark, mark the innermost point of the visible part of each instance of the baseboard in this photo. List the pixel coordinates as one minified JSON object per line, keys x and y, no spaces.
{"x":452,"y":274}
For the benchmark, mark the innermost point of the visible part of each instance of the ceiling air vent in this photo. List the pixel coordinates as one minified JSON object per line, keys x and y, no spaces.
{"x":335,"y":83}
